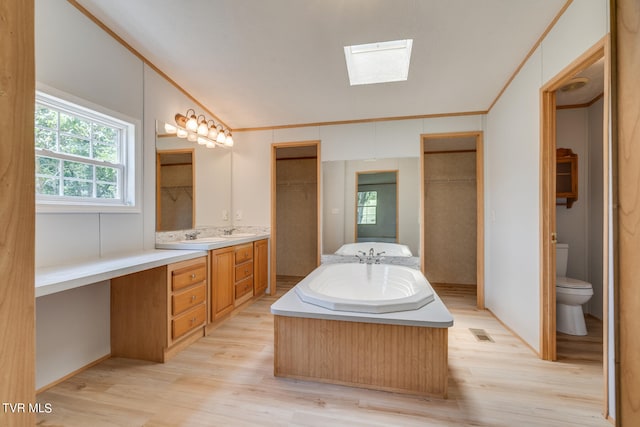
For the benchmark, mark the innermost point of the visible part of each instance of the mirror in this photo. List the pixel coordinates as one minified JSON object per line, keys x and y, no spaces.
{"x":211,"y":182}
{"x":174,"y":189}
{"x":377,"y":207}
{"x":339,"y":187}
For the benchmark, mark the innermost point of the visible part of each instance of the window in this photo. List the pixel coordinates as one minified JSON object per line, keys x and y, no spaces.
{"x":83,"y":157}
{"x":367,"y":207}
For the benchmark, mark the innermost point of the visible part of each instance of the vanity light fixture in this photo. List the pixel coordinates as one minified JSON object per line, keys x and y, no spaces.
{"x":199,"y":129}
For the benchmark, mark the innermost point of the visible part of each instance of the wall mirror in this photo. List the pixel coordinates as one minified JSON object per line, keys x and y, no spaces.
{"x":376,"y":206}
{"x":175,"y":199}
{"x":339,"y":200}
{"x":211,"y":179}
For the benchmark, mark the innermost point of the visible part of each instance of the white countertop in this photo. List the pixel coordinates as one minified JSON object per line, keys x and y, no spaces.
{"x":50,"y":280}
{"x":202,"y":244}
{"x":432,"y":315}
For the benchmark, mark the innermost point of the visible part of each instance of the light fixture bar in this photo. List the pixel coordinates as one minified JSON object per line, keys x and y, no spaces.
{"x":199,"y":129}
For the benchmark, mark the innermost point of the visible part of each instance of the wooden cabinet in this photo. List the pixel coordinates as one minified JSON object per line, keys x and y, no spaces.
{"x":566,"y":177}
{"x":222,"y":281}
{"x":188,"y":296}
{"x":157,"y":312}
{"x":260,"y":266}
{"x":238,"y":273}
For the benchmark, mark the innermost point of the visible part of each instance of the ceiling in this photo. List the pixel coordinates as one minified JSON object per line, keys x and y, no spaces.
{"x":261,"y":63}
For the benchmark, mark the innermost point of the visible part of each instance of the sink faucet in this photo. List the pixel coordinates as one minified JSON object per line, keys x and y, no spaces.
{"x":228,"y":231}
{"x":191,"y":235}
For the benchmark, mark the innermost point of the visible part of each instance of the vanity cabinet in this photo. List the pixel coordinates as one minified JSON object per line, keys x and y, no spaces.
{"x":157,"y":312}
{"x":238,"y":273}
{"x":260,"y":266}
{"x":222,"y":281}
{"x":566,"y":177}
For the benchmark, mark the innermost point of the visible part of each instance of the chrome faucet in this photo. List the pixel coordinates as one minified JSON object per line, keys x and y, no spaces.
{"x":227,"y":231}
{"x":373,"y":257}
{"x":191,"y":235}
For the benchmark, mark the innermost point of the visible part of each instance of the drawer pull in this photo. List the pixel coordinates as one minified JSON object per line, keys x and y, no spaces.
{"x":193,"y":297}
{"x":193,"y":275}
{"x":246,"y":271}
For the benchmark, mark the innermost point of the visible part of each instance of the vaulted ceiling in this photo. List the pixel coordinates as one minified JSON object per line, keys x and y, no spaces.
{"x":258,"y":63}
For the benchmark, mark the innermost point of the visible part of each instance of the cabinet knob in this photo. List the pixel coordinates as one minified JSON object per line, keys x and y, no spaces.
{"x":193,"y":297}
{"x":193,"y":275}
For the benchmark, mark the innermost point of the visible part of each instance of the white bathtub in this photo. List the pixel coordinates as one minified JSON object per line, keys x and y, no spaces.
{"x":366,"y":288}
{"x":389,"y":249}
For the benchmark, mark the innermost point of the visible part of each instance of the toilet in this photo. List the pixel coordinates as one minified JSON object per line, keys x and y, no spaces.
{"x":570,"y":295}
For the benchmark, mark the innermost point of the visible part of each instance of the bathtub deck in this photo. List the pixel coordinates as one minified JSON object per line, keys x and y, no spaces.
{"x":406,"y":359}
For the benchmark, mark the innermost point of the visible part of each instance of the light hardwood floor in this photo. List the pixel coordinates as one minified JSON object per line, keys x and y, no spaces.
{"x":226,"y":379}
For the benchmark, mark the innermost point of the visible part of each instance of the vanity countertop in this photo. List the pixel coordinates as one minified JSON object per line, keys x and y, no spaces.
{"x":50,"y":280}
{"x":213,"y":242}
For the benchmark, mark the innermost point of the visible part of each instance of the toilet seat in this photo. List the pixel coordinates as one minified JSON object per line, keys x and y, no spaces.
{"x":571,"y":283}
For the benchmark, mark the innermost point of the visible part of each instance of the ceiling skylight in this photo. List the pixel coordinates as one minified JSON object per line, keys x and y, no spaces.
{"x":378,"y":62}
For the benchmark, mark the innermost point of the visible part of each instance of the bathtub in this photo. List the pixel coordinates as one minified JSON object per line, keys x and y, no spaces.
{"x":366,"y":288}
{"x":389,"y":249}
{"x":398,"y":351}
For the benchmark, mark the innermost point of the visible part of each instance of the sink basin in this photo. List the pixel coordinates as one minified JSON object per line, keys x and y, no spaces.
{"x":235,"y":235}
{"x":204,"y":240}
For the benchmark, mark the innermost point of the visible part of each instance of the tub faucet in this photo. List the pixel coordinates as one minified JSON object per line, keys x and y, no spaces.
{"x":191,"y":235}
{"x":228,"y":231}
{"x":362,"y":256}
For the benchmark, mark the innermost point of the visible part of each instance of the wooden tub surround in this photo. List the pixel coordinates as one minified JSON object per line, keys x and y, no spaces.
{"x":402,"y":352}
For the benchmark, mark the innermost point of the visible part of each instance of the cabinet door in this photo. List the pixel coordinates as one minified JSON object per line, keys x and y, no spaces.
{"x":222,"y":270}
{"x":260,"y":266}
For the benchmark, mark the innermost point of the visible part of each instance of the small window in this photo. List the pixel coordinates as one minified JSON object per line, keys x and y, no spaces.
{"x":83,"y":157}
{"x":367,"y":207}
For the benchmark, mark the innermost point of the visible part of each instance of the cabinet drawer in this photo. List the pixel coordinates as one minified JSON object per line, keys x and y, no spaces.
{"x":188,"y":298}
{"x":244,"y":253}
{"x":244,"y":270}
{"x":188,"y":276}
{"x":244,"y":287}
{"x":188,"y":321}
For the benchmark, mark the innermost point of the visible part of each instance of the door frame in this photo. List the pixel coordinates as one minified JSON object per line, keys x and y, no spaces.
{"x":548,"y":202}
{"x":272,"y":246}
{"x":479,"y":136}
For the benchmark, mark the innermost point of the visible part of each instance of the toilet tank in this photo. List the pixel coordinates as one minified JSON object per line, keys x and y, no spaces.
{"x":562,"y":255}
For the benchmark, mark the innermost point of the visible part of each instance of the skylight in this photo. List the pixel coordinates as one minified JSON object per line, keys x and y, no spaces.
{"x":380,"y":62}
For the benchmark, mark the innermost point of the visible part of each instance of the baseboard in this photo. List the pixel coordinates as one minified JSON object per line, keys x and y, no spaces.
{"x":71,"y":374}
{"x":537,"y":353}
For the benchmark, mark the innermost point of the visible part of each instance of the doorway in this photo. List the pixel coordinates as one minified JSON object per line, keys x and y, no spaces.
{"x":557,"y":218}
{"x":452,"y":210}
{"x":175,"y":195}
{"x":295,"y":215}
{"x":376,"y":206}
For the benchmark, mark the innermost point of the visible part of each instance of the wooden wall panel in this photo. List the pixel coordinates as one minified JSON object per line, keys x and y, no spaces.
{"x":406,"y":359}
{"x":17,"y":210}
{"x":627,"y":119}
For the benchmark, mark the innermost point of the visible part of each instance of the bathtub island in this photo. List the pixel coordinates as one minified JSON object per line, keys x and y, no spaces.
{"x":399,"y":351}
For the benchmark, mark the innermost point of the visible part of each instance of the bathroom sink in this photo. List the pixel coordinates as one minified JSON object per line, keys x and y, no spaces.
{"x":205,"y":240}
{"x":235,"y":235}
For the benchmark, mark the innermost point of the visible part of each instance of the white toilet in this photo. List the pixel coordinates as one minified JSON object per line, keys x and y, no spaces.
{"x":570,"y":295}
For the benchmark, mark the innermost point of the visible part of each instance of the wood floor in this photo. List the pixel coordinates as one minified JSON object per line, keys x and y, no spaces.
{"x":226,"y":379}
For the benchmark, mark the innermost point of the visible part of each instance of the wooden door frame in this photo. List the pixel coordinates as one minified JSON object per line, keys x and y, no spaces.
{"x":479,"y":136}
{"x":272,"y":246}
{"x":548,"y":202}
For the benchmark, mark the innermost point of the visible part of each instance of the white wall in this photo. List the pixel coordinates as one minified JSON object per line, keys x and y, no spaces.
{"x":75,"y":56}
{"x":512,"y":152}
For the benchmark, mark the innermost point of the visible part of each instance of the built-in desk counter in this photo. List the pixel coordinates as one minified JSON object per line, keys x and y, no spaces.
{"x":50,"y":280}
